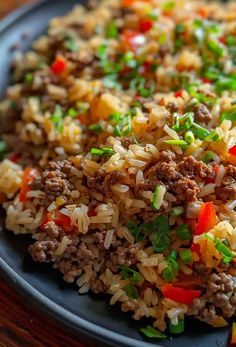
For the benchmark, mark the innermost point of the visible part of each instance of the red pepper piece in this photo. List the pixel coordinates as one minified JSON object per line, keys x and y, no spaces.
{"x":60,"y":219}
{"x":232,"y":150}
{"x":206,"y":218}
{"x":29,"y":175}
{"x":132,"y":40}
{"x":59,"y":66}
{"x":181,"y":295}
{"x":145,"y":25}
{"x":179,"y":94}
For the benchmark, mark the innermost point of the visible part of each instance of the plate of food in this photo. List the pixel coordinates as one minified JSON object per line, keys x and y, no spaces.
{"x":117,"y":172}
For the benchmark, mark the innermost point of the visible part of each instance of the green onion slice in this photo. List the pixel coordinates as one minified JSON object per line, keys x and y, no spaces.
{"x":176,"y":142}
{"x":128,"y":273}
{"x":183,"y":232}
{"x":152,"y":332}
{"x":186,"y":256}
{"x":102,"y":152}
{"x":158,"y":196}
{"x":131,"y":291}
{"x":177,"y":211}
{"x":184,"y":123}
{"x":199,"y":131}
{"x":176,"y":328}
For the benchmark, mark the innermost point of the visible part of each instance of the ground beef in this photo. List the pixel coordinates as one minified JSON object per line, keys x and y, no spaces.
{"x":196,"y":307}
{"x":97,"y":285}
{"x":221,"y":292}
{"x":55,"y":180}
{"x":52,"y":230}
{"x":219,"y":299}
{"x":227,"y":190}
{"x":190,"y":167}
{"x":124,"y":255}
{"x":202,"y":114}
{"x":185,"y":189}
{"x":84,"y":256}
{"x":172,"y":107}
{"x":69,"y":269}
{"x":42,"y":251}
{"x":127,"y":141}
{"x":103,"y":181}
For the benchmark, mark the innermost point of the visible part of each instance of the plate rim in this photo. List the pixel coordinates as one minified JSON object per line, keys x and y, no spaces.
{"x":43,"y":304}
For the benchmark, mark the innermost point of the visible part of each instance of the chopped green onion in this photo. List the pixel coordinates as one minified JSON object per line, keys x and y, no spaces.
{"x":128,"y":273}
{"x":225,"y":83}
{"x":173,"y":254}
{"x":160,"y":241}
{"x":131,"y":291}
{"x":82,"y":107}
{"x":162,"y":224}
{"x":189,"y":137}
{"x":162,"y":39}
{"x":152,"y":332}
{"x":213,"y":136}
{"x":158,"y":196}
{"x":176,"y":328}
{"x":223,"y":250}
{"x":28,"y":77}
{"x":3,"y":149}
{"x":183,"y":232}
{"x":72,"y":112}
{"x":71,"y":42}
{"x":175,"y":142}
{"x":208,"y":157}
{"x":102,"y":152}
{"x":57,"y":118}
{"x":186,"y":256}
{"x":95,"y":127}
{"x":170,"y":272}
{"x":230,"y":41}
{"x":177,"y":211}
{"x":199,"y":131}
{"x":168,"y":6}
{"x":216,"y":48}
{"x":184,"y":123}
{"x":229,"y":115}
{"x":112,"y":31}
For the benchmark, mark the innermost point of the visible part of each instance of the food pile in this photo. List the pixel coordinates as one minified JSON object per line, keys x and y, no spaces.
{"x":118,"y":154}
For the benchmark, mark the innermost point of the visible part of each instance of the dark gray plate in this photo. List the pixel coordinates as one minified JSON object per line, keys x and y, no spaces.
{"x":89,"y":316}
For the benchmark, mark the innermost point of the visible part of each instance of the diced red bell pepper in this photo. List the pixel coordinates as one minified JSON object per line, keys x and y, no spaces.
{"x":60,"y":219}
{"x":145,"y":68}
{"x":206,"y":218}
{"x":212,"y":180}
{"x":202,"y":12}
{"x":232,"y":150}
{"x":178,"y":294}
{"x":132,"y":40}
{"x":195,"y":247}
{"x":29,"y":175}
{"x":59,"y":66}
{"x":223,"y":39}
{"x":14,"y":157}
{"x":192,"y":223}
{"x":145,"y":25}
{"x":179,"y":94}
{"x":127,"y":3}
{"x":92,"y":213}
{"x":233,"y":338}
{"x":205,"y":80}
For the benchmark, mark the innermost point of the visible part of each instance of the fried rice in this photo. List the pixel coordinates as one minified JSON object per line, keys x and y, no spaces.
{"x":118,"y":155}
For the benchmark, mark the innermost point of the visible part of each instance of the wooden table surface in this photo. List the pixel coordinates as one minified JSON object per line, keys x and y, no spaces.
{"x":20,"y":324}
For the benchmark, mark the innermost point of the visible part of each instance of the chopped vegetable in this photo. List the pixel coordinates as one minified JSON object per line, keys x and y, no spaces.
{"x":131,"y":291}
{"x":28,"y":78}
{"x":206,"y":218}
{"x":177,"y":211}
{"x":172,"y":268}
{"x":3,"y":149}
{"x":132,"y":40}
{"x":186,"y":256}
{"x":95,"y":127}
{"x":216,"y":48}
{"x":232,"y":150}
{"x":102,"y":152}
{"x":184,"y":123}
{"x":152,"y":333}
{"x":128,"y":273}
{"x":112,"y":30}
{"x":183,"y":232}
{"x":233,"y":337}
{"x":60,"y":219}
{"x":176,"y":328}
{"x":59,"y":66}
{"x":213,"y":136}
{"x":176,"y":142}
{"x":199,"y":131}
{"x":229,"y":115}
{"x":189,"y":137}
{"x":208,"y":157}
{"x":161,"y":234}
{"x":222,"y":249}
{"x":181,"y":295}
{"x":71,"y":42}
{"x":145,"y":25}
{"x":29,"y":176}
{"x":57,"y":118}
{"x":158,"y":196}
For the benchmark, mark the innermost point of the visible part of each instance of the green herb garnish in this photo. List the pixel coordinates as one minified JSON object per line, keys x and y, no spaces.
{"x":128,"y":273}
{"x":131,"y":291}
{"x":183,"y":232}
{"x":102,"y":152}
{"x":152,"y":332}
{"x":112,"y":31}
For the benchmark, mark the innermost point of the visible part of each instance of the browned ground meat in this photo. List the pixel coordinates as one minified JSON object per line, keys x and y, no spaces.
{"x":227,"y":190}
{"x":190,"y":167}
{"x":55,"y":180}
{"x":102,"y":181}
{"x":97,"y":285}
{"x":185,"y":189}
{"x":202,"y":114}
{"x":220,"y":297}
{"x":52,"y":230}
{"x":124,"y":255}
{"x":42,"y":251}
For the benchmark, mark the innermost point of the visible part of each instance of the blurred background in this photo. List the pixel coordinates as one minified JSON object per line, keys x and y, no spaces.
{"x":7,"y":6}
